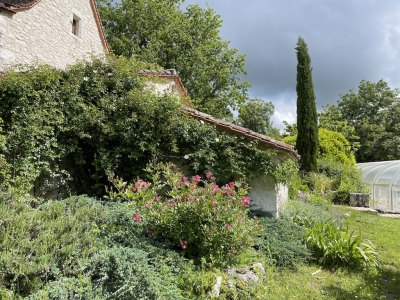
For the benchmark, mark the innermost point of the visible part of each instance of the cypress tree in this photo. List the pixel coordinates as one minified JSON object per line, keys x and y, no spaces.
{"x":307,"y":122}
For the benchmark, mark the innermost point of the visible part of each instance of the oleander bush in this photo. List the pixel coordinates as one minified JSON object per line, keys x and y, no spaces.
{"x":196,"y":215}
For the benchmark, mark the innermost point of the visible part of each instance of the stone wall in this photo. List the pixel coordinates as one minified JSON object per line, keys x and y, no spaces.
{"x":43,"y":34}
{"x":162,"y":86}
{"x":267,"y":196}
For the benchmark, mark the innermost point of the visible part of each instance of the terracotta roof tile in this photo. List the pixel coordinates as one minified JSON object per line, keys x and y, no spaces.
{"x":241,"y":131}
{"x":224,"y":125}
{"x":166,"y":72}
{"x":19,"y":3}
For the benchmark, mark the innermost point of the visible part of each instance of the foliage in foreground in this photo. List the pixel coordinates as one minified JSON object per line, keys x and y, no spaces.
{"x":282,"y":241}
{"x":332,"y":244}
{"x":206,"y":221}
{"x":45,"y":244}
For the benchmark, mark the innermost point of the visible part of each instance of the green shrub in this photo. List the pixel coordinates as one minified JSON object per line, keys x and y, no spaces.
{"x":196,"y":215}
{"x":320,"y":182}
{"x":96,"y":117}
{"x":306,"y":213}
{"x":77,"y":288}
{"x":334,"y":246}
{"x":128,"y":273}
{"x":288,"y":173}
{"x":282,"y":241}
{"x":333,"y":147}
{"x":346,"y":179}
{"x":133,"y":258}
{"x":44,"y":244}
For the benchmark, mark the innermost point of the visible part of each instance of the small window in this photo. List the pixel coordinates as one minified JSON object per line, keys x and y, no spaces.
{"x":76,"y":26}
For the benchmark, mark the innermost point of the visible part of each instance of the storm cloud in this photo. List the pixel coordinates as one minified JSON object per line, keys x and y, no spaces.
{"x":348,"y":40}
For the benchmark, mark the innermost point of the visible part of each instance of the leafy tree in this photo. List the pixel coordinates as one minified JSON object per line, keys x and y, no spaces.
{"x":333,"y":147}
{"x":307,"y":123}
{"x":374,"y":113}
{"x":158,"y":31}
{"x":255,"y":114}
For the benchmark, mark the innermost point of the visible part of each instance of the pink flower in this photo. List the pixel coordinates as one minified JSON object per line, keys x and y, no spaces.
{"x":136,"y":217}
{"x":229,"y":227}
{"x":158,"y":198}
{"x":232,"y":254}
{"x":216,"y":188}
{"x":183,"y":244}
{"x":231,"y":185}
{"x":139,"y":185}
{"x":208,"y":175}
{"x":171,"y":204}
{"x":196,"y":178}
{"x":148,"y":205}
{"x":246,"y":201}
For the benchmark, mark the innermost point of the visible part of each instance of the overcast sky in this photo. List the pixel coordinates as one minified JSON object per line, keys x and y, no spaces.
{"x":348,"y":40}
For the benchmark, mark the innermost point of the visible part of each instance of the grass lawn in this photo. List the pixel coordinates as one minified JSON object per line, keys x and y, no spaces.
{"x":309,"y":282}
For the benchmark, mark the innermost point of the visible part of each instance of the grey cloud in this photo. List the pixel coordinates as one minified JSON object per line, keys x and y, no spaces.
{"x":349,"y":40}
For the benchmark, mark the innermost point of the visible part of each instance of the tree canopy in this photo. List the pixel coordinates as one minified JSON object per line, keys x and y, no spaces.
{"x":256,"y":114}
{"x":307,"y":123}
{"x":333,"y":147}
{"x":160,"y":32}
{"x":374,"y":112}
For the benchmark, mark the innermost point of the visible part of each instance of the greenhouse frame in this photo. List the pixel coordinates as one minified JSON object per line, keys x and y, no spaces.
{"x":383,"y":178}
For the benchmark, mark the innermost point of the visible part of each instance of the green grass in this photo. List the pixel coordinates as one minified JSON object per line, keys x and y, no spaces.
{"x":311,"y":282}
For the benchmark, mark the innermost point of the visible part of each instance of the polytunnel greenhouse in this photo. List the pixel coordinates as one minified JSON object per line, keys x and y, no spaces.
{"x":383,"y":177}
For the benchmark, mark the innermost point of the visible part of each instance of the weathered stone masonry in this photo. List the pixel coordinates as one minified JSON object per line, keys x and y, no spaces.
{"x":43,"y":34}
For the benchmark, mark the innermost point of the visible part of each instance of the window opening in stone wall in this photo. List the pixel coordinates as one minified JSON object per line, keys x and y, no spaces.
{"x":76,"y":24}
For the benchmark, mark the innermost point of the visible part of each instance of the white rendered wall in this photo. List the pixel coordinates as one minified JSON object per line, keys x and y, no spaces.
{"x":43,"y":34}
{"x":162,"y":86}
{"x":267,"y":196}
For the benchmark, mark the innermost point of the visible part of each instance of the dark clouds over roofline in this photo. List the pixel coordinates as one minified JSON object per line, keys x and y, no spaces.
{"x":348,"y":40}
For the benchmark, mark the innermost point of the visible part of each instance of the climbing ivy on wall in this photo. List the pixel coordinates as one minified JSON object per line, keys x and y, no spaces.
{"x":65,"y":130}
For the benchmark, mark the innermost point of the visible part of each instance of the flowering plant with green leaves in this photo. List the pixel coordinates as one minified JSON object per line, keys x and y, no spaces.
{"x":201,"y":218}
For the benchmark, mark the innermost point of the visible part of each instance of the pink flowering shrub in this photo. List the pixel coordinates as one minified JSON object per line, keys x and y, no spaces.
{"x":197,"y":216}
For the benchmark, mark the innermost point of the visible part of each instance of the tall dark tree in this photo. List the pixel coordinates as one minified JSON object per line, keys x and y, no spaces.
{"x":307,"y":120}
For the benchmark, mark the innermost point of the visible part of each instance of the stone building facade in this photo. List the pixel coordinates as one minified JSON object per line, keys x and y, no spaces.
{"x":54,"y":32}
{"x":265,"y":193}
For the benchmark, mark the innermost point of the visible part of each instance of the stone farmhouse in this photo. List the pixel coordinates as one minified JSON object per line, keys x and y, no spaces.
{"x":61,"y":32}
{"x":265,"y":194}
{"x":54,"y":32}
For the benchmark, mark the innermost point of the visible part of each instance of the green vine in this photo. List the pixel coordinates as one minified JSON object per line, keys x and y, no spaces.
{"x":65,"y":130}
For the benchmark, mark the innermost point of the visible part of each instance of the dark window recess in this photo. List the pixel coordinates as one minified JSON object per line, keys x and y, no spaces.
{"x":75,"y":27}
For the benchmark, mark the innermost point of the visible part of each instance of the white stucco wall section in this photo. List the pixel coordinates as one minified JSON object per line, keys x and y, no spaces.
{"x":162,"y":86}
{"x":43,"y":34}
{"x":268,"y":196}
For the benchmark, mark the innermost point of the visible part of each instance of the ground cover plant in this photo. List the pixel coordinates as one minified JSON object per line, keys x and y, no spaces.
{"x":42,"y":245}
